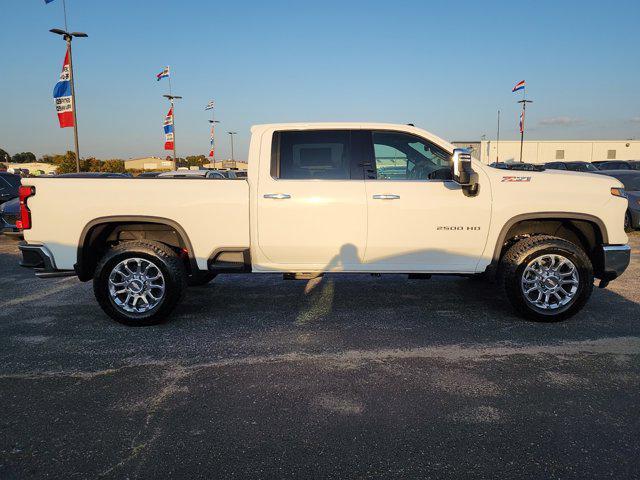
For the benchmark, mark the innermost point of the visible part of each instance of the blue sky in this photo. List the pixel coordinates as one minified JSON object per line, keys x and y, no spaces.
{"x":445,"y":66}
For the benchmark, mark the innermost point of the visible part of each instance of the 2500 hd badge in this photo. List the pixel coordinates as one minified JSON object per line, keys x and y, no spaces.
{"x":457,"y":227}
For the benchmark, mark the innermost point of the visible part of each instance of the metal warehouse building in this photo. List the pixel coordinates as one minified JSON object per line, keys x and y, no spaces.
{"x":543,"y":151}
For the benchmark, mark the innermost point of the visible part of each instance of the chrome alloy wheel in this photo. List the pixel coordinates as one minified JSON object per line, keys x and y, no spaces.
{"x":136,"y":285}
{"x":550,"y":281}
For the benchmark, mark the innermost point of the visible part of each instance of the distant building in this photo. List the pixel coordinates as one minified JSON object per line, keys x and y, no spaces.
{"x":148,"y":163}
{"x":544,"y":151}
{"x":473,"y":146}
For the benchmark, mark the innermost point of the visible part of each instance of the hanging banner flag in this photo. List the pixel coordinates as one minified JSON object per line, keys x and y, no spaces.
{"x":209,"y":106}
{"x":168,"y":130}
{"x":522,"y":122}
{"x":211,"y":150}
{"x":519,"y":86}
{"x":62,"y":95}
{"x":163,"y":74}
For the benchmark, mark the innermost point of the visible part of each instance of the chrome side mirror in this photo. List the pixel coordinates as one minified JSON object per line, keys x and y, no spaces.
{"x":462,"y":171}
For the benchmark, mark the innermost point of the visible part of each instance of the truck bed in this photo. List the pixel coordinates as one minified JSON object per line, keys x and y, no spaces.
{"x":213,"y":213}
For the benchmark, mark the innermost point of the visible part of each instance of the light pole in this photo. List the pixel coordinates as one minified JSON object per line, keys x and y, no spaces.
{"x":68,"y":36}
{"x":173,"y":111}
{"x":231,"y":134}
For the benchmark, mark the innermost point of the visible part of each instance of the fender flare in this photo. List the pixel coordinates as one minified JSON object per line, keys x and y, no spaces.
{"x":80,"y":268}
{"x":544,"y":216}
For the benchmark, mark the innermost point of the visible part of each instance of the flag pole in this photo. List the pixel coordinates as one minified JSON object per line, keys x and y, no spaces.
{"x":522,"y":119}
{"x":73,"y":103}
{"x":173,"y":115}
{"x":498,"y":140}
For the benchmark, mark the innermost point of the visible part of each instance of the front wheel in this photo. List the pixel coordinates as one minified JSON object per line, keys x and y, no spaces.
{"x":546,"y":279}
{"x":139,"y":283}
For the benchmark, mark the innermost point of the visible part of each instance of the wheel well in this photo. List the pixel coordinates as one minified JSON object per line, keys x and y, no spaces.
{"x":584,"y":233}
{"x":98,"y":237}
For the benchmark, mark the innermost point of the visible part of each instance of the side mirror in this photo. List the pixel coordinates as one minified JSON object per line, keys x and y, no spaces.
{"x":462,"y":171}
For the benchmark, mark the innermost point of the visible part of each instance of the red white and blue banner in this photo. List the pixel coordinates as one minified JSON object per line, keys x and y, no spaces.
{"x":519,"y":86}
{"x":163,"y":74}
{"x":522,"y":122}
{"x":62,"y":95}
{"x":168,"y":130}
{"x":212,"y":148}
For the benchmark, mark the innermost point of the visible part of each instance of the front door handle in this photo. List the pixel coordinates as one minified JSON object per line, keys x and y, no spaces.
{"x":386,"y":197}
{"x":277,"y":196}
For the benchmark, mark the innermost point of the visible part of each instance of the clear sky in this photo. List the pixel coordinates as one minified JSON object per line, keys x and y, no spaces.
{"x":446,"y":66}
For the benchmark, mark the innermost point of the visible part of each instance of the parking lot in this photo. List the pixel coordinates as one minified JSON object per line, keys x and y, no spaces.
{"x":349,"y":377}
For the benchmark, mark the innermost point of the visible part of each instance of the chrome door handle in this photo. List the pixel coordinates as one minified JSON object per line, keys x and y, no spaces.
{"x":386,"y":197}
{"x":277,"y":196}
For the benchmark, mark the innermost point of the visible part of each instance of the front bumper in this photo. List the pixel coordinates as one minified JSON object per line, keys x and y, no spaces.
{"x":41,"y":260}
{"x":615,"y":260}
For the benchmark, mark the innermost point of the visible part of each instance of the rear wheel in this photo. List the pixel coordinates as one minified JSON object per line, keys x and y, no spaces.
{"x":546,"y":279}
{"x":139,"y":283}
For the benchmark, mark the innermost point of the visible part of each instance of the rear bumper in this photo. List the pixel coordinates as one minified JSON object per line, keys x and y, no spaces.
{"x":39,"y":258}
{"x":615,"y":260}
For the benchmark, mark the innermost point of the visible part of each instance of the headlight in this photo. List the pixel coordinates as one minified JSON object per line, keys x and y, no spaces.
{"x":618,"y":192}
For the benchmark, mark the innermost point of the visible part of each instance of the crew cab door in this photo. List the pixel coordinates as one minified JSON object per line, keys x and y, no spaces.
{"x":311,"y":204}
{"x":418,"y":219}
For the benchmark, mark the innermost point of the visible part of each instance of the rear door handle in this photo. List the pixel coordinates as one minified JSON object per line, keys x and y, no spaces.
{"x":386,"y":197}
{"x":277,"y":196}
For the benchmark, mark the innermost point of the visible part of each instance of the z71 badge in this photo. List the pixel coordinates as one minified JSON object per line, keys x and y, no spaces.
{"x":516,"y":179}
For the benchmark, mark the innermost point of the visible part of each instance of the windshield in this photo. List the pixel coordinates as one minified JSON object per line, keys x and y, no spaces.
{"x":12,"y":180}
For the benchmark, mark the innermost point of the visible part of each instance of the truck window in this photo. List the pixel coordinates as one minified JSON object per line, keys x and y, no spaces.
{"x":401,"y":156}
{"x":312,"y":154}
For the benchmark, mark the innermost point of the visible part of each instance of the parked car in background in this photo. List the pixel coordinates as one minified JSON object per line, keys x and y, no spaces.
{"x":9,"y":184}
{"x":9,"y":215}
{"x":235,"y":174}
{"x":193,"y":174}
{"x":94,"y":175}
{"x":631,"y":181}
{"x":572,"y":166}
{"x":613,"y":165}
{"x":149,"y":174}
{"x":529,"y":167}
{"x":634,"y":164}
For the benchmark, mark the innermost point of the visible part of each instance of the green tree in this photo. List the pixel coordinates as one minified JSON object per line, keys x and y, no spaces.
{"x":66,"y":163}
{"x":113,"y":166}
{"x":196,"y":160}
{"x":3,"y":167}
{"x":4,"y":156}
{"x":24,"y":157}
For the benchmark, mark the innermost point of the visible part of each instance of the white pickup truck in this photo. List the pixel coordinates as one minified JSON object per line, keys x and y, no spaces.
{"x":332,"y":197}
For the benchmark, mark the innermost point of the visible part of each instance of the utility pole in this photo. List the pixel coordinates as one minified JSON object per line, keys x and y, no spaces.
{"x":173,"y":111}
{"x":231,"y":134}
{"x":524,"y":102}
{"x":68,"y":36}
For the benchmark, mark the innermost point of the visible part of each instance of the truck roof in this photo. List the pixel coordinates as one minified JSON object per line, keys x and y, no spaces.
{"x":259,"y":129}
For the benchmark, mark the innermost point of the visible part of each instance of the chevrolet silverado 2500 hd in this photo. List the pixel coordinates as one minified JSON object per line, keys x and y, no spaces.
{"x":332,"y":197}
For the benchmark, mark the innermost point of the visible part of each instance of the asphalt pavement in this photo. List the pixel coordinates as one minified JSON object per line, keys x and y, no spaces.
{"x":347,"y":377}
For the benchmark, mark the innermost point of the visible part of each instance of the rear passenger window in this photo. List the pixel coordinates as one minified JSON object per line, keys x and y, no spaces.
{"x":312,"y":154}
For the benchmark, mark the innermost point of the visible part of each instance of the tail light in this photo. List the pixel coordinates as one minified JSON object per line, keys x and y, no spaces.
{"x":25,"y":214}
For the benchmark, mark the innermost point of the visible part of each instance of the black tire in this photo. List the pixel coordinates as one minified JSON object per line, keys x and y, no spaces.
{"x":628,"y":227}
{"x":519,"y":256}
{"x":163,"y":258}
{"x":200,"y":278}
